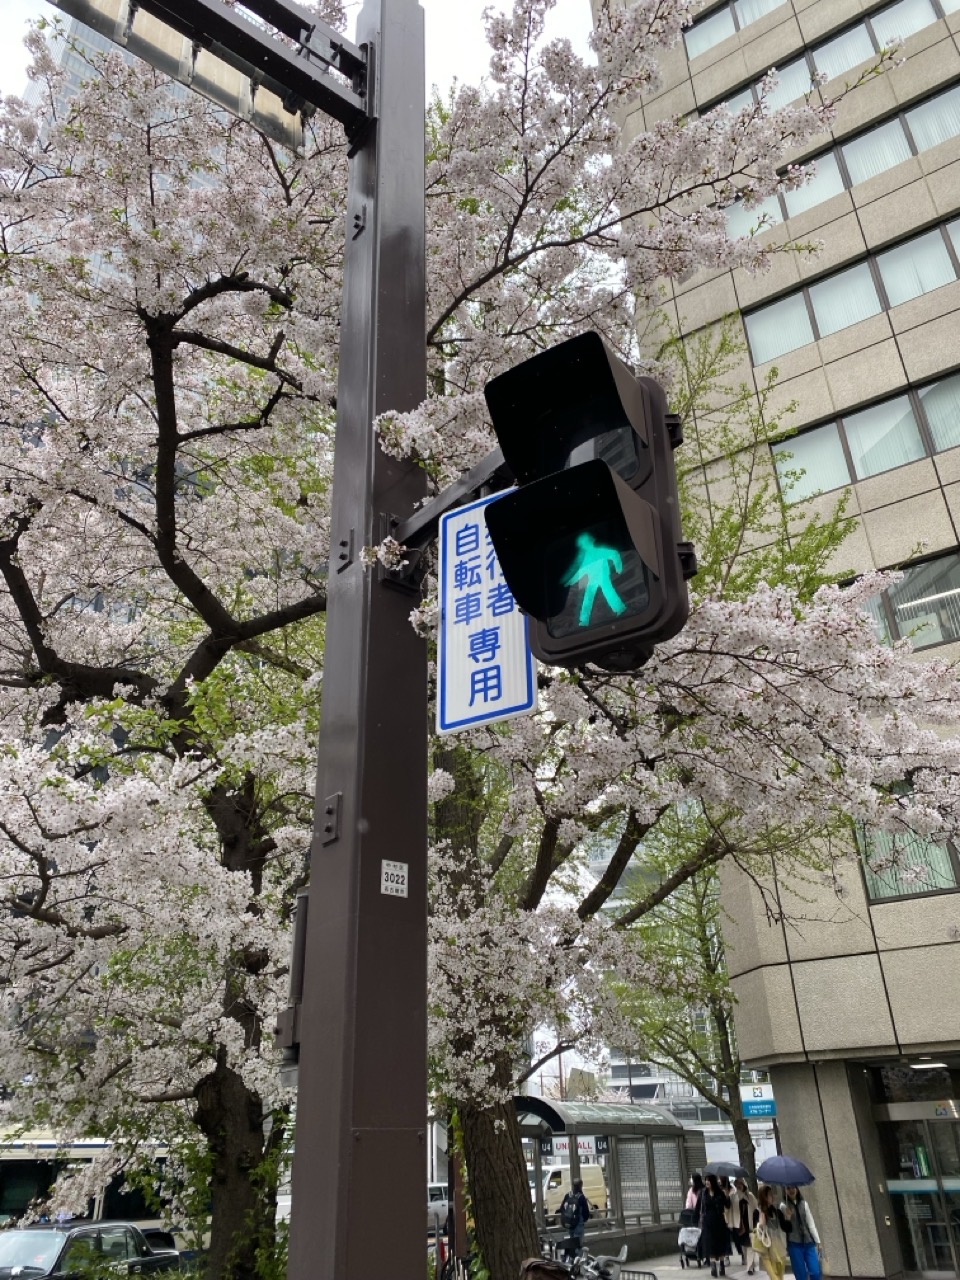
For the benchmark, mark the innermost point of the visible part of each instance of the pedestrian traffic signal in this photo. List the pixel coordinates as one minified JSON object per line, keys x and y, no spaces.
{"x":590,"y":542}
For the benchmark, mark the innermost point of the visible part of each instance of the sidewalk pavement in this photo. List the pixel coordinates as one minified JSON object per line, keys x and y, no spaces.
{"x":667,"y":1267}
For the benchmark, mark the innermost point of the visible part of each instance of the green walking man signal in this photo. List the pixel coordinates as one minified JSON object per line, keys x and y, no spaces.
{"x":595,"y":510}
{"x":594,"y":565}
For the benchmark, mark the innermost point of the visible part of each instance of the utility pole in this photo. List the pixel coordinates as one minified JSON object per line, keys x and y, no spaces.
{"x":360,"y":1162}
{"x":358,"y":975}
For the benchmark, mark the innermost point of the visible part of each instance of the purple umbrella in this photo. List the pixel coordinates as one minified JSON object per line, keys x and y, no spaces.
{"x":785,"y":1170}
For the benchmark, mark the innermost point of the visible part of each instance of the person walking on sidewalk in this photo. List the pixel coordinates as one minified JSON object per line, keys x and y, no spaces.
{"x":693,"y":1202}
{"x":732,"y":1219}
{"x":803,"y":1239}
{"x":769,"y":1239}
{"x":744,"y":1203}
{"x":714,"y":1236}
{"x":695,"y":1191}
{"x":574,"y":1214}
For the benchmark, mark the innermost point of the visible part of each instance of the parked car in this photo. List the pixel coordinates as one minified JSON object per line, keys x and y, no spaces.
{"x":81,"y":1249}
{"x":437,"y":1206}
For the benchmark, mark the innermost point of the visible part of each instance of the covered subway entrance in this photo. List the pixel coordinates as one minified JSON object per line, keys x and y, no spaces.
{"x":921,"y":1152}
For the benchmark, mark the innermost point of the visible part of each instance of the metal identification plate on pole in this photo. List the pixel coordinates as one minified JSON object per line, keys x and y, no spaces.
{"x":486,"y":670}
{"x":394,"y":878}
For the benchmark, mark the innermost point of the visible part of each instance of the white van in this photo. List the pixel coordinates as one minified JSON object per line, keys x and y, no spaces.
{"x":437,"y":1206}
{"x":556,"y":1184}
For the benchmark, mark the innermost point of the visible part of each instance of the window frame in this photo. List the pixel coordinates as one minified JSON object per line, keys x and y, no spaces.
{"x":891,"y":619}
{"x":914,"y":394}
{"x":124,"y":1233}
{"x":836,"y":149}
{"x":808,"y":52}
{"x":871,"y":259}
{"x":731,"y":7}
{"x":952,"y":852}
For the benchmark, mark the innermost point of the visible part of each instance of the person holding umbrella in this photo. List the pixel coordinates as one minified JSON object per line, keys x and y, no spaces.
{"x":803,"y":1239}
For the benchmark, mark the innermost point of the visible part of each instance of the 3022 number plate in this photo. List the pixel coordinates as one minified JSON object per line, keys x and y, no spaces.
{"x":394,"y":878}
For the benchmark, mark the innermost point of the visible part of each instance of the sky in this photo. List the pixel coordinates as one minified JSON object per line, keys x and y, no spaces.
{"x":455,"y":44}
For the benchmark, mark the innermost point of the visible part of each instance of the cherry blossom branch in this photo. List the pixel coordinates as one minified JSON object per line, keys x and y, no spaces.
{"x":564,"y":1046}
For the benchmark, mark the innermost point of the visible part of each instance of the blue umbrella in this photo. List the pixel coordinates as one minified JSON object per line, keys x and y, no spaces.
{"x":785,"y":1170}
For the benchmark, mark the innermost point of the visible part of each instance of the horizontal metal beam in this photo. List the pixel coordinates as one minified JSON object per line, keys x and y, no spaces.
{"x":306,"y":28}
{"x":225,"y":32}
{"x":324,"y":73}
{"x":422,"y":527}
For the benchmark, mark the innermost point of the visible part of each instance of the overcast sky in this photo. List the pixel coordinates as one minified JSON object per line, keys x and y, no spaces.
{"x":455,"y":44}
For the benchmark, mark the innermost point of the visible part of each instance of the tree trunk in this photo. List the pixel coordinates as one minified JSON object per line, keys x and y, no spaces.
{"x":499,"y":1189}
{"x":231,"y":1118}
{"x":742,"y":1137}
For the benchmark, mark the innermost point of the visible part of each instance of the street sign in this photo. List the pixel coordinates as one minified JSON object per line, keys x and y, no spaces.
{"x":762,"y":1107}
{"x":485,"y":667}
{"x":758,"y":1100}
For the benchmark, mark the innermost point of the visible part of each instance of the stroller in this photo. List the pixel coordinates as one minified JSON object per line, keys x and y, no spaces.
{"x":688,"y":1240}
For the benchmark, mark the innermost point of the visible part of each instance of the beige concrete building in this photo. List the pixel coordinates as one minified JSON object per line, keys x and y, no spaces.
{"x":855,"y":1005}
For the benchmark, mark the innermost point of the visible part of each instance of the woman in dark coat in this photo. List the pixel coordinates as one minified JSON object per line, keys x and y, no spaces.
{"x":714,"y":1235}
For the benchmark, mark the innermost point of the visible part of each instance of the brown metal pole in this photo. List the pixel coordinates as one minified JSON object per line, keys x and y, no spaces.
{"x":359,"y":1170}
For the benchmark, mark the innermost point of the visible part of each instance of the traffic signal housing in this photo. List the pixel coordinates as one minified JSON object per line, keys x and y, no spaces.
{"x":590,"y":542}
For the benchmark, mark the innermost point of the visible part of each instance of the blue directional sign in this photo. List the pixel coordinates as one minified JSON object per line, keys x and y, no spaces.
{"x":759,"y":1107}
{"x":485,"y":667}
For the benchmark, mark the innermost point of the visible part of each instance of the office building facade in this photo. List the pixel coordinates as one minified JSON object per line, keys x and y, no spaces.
{"x":853,"y":1005}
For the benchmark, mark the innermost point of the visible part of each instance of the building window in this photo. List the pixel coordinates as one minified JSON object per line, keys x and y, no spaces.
{"x":860,"y":158}
{"x":825,"y":183}
{"x":902,"y":20}
{"x":890,"y":434}
{"x":782,"y":326}
{"x":793,"y":81}
{"x":935,"y":121}
{"x":905,"y":865}
{"x":742,"y":221}
{"x":842,"y":52}
{"x":941,"y":406}
{"x":717,"y":26}
{"x":917,"y":266}
{"x":924,"y":606}
{"x":844,"y":299}
{"x":876,"y":151}
{"x":711,"y":30}
{"x":883,"y":437}
{"x":811,"y":463}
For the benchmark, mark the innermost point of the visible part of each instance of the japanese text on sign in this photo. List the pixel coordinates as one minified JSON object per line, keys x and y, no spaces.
{"x":486,"y":670}
{"x":394,"y":878}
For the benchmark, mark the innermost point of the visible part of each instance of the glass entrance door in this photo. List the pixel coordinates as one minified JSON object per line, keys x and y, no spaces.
{"x":922,"y":1165}
{"x":945,"y":1138}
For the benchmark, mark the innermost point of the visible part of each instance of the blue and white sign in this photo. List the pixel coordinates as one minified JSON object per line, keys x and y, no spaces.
{"x":485,"y":669}
{"x":758,"y":1100}
{"x":766,"y":1107}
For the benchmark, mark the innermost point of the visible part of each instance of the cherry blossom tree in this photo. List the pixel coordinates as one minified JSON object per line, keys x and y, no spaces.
{"x":169,"y":287}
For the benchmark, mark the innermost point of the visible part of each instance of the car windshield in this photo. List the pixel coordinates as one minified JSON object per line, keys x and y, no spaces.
{"x":32,"y":1250}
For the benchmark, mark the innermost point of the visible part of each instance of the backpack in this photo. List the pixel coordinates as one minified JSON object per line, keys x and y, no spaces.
{"x":569,"y":1210}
